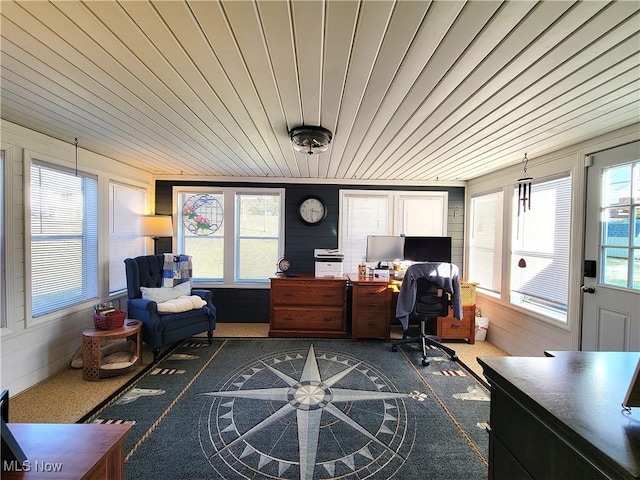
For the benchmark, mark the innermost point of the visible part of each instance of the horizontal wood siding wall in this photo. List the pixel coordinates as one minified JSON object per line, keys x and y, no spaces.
{"x":300,"y":239}
{"x":35,"y":349}
{"x":514,"y":329}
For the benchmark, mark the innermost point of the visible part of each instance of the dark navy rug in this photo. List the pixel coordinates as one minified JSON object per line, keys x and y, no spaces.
{"x":302,"y":409}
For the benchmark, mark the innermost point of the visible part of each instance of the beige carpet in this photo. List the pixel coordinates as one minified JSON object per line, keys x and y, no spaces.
{"x":66,"y":397}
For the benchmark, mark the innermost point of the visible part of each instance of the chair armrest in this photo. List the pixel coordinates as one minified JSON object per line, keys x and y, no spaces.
{"x":206,"y":295}
{"x":143,"y":304}
{"x":145,"y":310}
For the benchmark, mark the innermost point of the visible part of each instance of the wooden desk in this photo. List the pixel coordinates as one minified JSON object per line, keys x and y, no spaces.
{"x":561,"y":417}
{"x":69,"y":451}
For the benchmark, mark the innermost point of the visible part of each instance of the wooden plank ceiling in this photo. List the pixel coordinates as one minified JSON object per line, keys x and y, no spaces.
{"x":413,"y":91}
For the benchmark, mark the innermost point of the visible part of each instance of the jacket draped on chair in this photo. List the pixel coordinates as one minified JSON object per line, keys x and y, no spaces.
{"x":445,"y":275}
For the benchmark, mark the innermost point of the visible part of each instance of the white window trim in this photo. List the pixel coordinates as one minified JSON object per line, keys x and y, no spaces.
{"x":490,"y":293}
{"x":110,"y":183}
{"x":394,"y":209}
{"x":504,"y":298}
{"x":228,"y":280}
{"x":7,"y":320}
{"x":552,"y":314}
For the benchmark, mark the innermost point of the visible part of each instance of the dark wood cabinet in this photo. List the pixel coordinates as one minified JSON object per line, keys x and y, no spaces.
{"x":80,"y":451}
{"x":450,"y":328}
{"x":308,"y":307}
{"x":561,"y":417}
{"x":371,"y":304}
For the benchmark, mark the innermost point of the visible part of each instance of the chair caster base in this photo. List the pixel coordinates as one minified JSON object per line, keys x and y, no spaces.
{"x":394,"y":348}
{"x":425,"y":362}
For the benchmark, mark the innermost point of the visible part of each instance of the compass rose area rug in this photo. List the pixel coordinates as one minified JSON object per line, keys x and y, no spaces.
{"x":303,"y":409}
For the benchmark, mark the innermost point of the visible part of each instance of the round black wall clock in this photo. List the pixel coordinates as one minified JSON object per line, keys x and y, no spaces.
{"x":312,"y":210}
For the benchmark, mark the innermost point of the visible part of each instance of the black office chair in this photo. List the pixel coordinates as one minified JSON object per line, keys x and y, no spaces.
{"x":430,"y":303}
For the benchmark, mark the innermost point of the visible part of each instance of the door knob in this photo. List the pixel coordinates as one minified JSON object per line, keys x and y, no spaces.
{"x":588,"y":288}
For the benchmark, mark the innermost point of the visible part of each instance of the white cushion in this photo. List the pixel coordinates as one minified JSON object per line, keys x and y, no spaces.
{"x":163,"y":294}
{"x":181,"y":304}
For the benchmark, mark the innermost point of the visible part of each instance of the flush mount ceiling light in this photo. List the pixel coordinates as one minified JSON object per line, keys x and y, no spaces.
{"x":310,"y":140}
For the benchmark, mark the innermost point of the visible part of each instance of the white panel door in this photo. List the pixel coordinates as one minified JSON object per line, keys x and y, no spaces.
{"x":611,"y":298}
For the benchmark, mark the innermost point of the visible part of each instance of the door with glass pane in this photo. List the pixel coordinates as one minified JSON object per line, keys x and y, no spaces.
{"x":611,"y":298}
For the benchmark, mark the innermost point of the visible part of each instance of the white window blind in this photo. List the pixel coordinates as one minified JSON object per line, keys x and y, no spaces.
{"x":485,"y":241}
{"x":126,"y":206}
{"x":422,"y":215}
{"x":63,"y":238}
{"x":540,"y":237}
{"x":362,"y":215}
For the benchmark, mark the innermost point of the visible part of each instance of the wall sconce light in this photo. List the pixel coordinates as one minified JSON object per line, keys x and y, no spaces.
{"x":156,"y":226}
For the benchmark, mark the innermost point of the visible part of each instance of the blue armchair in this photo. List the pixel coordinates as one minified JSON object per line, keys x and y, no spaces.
{"x":161,"y":329}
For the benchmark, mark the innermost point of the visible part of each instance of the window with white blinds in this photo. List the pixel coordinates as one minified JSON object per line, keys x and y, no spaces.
{"x":234,"y":235}
{"x":540,"y":248}
{"x":362,"y":215}
{"x":485,"y":241}
{"x":64,"y":238}
{"x":384,"y":212}
{"x":126,"y":206}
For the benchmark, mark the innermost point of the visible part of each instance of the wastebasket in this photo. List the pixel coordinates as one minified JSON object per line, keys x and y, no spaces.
{"x":482,"y":325}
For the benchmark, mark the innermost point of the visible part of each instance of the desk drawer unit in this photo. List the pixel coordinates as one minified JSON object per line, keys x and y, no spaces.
{"x":371,"y":310}
{"x":450,"y":328}
{"x":308,"y":307}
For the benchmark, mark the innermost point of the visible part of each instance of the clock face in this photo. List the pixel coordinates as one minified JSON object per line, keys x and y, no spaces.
{"x":284,"y":265}
{"x":312,"y":210}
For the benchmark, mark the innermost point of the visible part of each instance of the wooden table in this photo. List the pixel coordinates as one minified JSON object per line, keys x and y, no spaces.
{"x":92,"y":348}
{"x":69,"y":451}
{"x":561,"y":417}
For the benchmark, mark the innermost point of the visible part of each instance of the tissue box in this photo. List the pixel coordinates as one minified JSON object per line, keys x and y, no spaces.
{"x":381,"y":273}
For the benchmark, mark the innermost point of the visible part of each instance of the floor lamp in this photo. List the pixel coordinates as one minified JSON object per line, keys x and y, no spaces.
{"x":156,"y":226}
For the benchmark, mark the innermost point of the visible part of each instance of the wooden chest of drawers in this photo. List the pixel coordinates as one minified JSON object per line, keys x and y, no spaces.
{"x":308,"y":307}
{"x":371,"y":309}
{"x":449,"y":328}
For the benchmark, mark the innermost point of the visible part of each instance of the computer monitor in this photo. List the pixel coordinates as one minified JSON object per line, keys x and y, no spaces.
{"x":427,"y":249}
{"x":384,"y":248}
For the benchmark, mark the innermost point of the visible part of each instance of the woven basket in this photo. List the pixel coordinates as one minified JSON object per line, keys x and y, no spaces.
{"x":108,"y":320}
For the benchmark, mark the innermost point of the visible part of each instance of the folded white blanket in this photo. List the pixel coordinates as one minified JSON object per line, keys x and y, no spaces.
{"x":183,"y":303}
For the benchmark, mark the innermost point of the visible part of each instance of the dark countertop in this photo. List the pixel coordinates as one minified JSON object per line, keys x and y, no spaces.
{"x":580,"y":395}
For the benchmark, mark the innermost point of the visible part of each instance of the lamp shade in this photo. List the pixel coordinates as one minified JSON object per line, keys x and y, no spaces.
{"x":156,"y":226}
